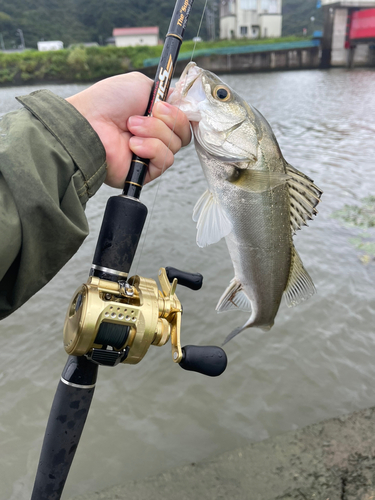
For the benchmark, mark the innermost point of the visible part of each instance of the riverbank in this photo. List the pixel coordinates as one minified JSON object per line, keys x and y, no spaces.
{"x":330,"y":460}
{"x":89,"y":64}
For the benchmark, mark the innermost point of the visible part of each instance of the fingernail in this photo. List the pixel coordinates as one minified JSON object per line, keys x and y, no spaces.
{"x":136,"y":141}
{"x":164,"y":108}
{"x":136,"y":121}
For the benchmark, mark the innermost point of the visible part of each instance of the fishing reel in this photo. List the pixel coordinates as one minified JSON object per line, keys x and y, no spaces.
{"x":116,"y":322}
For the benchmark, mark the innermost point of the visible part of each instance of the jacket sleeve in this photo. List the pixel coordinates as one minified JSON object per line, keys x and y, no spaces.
{"x":51,"y":163}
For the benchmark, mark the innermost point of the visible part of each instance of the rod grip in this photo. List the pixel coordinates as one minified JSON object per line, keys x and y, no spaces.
{"x":64,"y":428}
{"x":118,"y":239}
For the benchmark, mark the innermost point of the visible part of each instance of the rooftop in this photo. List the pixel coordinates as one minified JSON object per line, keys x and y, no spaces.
{"x":147,"y":30}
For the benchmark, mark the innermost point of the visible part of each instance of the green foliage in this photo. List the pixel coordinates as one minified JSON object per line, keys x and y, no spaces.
{"x":188,"y":46}
{"x":78,"y":21}
{"x":362,"y":216}
{"x":77,"y":61}
{"x":297,"y":15}
{"x":89,"y":63}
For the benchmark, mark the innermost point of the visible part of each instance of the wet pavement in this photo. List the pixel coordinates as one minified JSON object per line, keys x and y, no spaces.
{"x":331,"y":460}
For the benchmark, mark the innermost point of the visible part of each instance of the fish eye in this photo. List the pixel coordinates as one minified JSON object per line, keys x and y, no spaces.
{"x":221,"y":93}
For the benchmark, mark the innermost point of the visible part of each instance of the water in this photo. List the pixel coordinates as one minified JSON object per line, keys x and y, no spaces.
{"x":317,"y":362}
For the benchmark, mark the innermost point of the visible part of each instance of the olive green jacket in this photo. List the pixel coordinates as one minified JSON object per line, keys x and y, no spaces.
{"x":51,"y":163}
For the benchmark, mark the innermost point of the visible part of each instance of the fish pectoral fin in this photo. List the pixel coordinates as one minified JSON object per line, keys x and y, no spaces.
{"x":234,"y":298}
{"x":300,"y":286}
{"x":212,"y":222}
{"x":256,"y":181}
{"x":304,"y":196}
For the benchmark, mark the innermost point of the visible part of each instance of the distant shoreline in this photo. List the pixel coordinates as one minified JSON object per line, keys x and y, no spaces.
{"x":90,"y":64}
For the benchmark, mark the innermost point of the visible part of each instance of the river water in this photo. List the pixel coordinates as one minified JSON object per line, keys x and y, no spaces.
{"x":316,"y":362}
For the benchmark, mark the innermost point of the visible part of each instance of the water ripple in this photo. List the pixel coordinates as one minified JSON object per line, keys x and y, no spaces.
{"x":317,"y":361}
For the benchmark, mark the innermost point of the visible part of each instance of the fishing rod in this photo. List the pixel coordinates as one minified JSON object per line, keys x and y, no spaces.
{"x":112,"y":318}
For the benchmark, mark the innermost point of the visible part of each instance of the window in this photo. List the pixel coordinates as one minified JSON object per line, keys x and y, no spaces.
{"x":249,"y":4}
{"x":227,"y":7}
{"x":269,"y":6}
{"x":243,"y":30}
{"x":255,"y":31}
{"x":273,"y":7}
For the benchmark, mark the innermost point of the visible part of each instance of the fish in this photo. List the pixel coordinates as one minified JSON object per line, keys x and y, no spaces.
{"x":255,"y":199}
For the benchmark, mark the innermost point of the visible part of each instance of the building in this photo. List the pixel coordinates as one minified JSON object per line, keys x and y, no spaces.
{"x":125,"y":37}
{"x":50,"y":45}
{"x":336,"y":43}
{"x":250,"y":19}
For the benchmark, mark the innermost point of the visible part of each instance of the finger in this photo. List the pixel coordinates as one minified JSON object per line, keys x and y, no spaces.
{"x":175,"y":119}
{"x":151,"y":127}
{"x":160,"y":156}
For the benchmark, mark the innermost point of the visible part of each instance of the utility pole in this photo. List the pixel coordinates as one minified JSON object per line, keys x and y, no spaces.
{"x":20,"y":33}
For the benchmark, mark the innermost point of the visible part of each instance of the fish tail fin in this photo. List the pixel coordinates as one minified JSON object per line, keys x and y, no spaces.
{"x":300,"y":286}
{"x":234,"y":298}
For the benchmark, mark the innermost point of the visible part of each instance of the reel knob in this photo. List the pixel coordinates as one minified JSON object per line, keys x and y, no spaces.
{"x":208,"y":360}
{"x":194,"y":281}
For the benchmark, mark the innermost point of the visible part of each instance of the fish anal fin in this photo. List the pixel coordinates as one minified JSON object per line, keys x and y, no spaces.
{"x":304,"y":196}
{"x":300,"y":286}
{"x":233,"y":334}
{"x":236,"y":331}
{"x":234,"y":298}
{"x":212,"y":222}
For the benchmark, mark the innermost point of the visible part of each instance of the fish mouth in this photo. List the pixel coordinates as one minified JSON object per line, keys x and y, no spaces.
{"x":189,"y":76}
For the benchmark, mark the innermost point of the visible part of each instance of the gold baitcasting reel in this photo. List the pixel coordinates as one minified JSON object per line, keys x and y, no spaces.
{"x":116,"y":322}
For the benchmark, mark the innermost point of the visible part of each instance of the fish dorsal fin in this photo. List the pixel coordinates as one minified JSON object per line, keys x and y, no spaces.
{"x":212,"y":222}
{"x":304,"y":196}
{"x":234,"y":298}
{"x":300,"y":286}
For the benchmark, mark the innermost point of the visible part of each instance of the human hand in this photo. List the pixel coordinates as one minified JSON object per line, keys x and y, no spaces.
{"x":114,"y":107}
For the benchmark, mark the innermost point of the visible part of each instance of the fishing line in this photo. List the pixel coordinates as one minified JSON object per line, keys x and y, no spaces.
{"x":166,"y":154}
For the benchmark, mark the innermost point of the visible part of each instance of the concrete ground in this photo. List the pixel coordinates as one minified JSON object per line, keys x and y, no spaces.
{"x":331,"y":460}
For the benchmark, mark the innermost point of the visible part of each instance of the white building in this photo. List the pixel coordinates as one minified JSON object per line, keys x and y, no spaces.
{"x":250,"y":18}
{"x":50,"y":45}
{"x":125,"y":37}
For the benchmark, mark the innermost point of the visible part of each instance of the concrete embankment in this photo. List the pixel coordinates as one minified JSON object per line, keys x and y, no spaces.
{"x":303,"y":54}
{"x":331,"y":460}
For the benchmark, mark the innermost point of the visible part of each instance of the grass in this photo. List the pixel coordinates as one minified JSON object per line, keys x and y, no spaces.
{"x":81,"y":64}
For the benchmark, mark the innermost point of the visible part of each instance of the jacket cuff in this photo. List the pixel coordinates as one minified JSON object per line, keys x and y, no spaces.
{"x":75,"y":134}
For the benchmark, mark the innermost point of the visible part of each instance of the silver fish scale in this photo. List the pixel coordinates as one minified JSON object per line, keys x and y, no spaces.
{"x":260,"y":244}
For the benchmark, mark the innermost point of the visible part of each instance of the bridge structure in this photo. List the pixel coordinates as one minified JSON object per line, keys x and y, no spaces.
{"x":349,"y":33}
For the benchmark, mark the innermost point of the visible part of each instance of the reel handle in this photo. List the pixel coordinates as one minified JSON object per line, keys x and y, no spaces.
{"x":208,"y":360}
{"x":194,"y":281}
